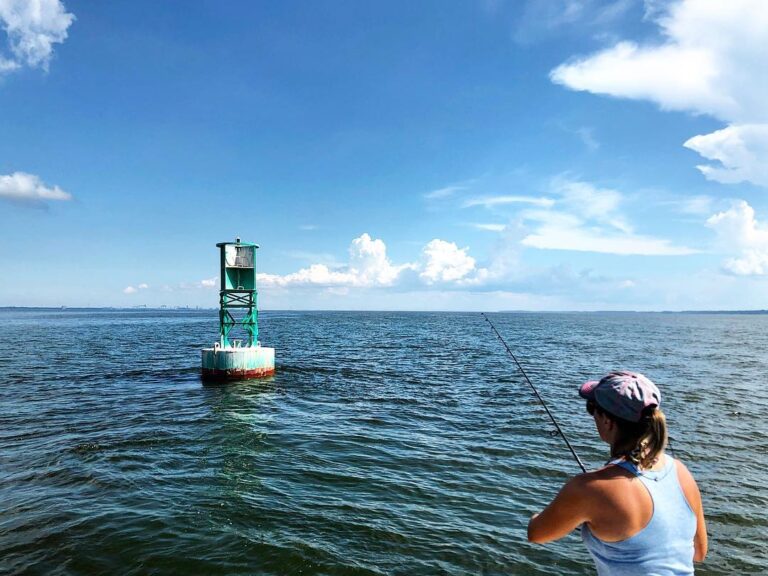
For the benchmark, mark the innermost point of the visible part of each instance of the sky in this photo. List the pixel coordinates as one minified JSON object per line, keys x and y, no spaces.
{"x":432,"y":155}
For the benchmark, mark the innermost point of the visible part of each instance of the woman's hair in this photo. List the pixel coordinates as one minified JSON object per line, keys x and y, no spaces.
{"x":640,"y":442}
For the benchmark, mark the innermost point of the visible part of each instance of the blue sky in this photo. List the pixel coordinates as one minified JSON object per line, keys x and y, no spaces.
{"x":489,"y":155}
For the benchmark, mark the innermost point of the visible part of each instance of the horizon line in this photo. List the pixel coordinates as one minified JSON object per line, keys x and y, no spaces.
{"x":512,"y":311}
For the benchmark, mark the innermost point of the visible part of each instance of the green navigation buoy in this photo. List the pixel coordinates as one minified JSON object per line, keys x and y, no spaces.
{"x":241,"y":358}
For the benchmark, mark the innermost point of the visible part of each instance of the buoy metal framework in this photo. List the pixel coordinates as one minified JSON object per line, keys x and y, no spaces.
{"x":233,"y":358}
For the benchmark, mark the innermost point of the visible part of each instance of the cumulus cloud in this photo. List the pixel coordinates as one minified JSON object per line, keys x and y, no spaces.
{"x":32,"y":28}
{"x":711,"y":61}
{"x":369,"y":267}
{"x":28,"y":188}
{"x":445,"y":262}
{"x":739,"y":231}
{"x":135,"y":289}
{"x":368,"y":261}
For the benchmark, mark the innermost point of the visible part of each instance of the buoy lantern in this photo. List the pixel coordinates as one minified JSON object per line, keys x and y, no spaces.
{"x":242,"y":358}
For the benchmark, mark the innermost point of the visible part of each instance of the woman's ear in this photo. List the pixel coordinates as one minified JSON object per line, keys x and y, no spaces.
{"x":607,"y":423}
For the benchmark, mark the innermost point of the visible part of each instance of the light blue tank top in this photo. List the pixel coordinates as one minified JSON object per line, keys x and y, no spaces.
{"x":665,"y":546}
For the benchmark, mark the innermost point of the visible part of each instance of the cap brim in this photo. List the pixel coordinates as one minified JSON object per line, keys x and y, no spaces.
{"x":587,"y":390}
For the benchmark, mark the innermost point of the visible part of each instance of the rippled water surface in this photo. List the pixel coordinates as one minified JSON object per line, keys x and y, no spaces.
{"x":386,"y":443}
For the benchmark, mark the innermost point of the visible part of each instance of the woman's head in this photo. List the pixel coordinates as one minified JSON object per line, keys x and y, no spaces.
{"x":628,"y":416}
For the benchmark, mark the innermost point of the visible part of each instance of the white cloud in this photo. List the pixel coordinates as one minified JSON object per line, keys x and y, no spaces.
{"x":560,"y":231}
{"x":740,"y":150}
{"x":739,"y":231}
{"x":32,"y":27}
{"x":630,"y":71}
{"x":543,"y":18}
{"x":591,"y":202}
{"x":133,"y":290}
{"x":7,"y":65}
{"x":444,"y":192}
{"x":368,"y":266}
{"x":368,"y":261}
{"x":587,"y":136}
{"x":698,"y":205}
{"x":711,"y":61}
{"x":489,"y":227}
{"x":587,"y":218}
{"x":491,"y":201}
{"x":317,"y":274}
{"x":445,"y":262}
{"x":23,"y":187}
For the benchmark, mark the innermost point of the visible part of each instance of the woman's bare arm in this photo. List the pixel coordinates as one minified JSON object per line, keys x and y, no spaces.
{"x":564,"y":513}
{"x":693,"y":496}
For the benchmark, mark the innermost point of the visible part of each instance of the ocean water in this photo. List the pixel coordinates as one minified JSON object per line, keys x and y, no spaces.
{"x":386,"y":443}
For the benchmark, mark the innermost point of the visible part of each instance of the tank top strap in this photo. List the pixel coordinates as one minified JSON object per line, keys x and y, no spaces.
{"x":669,"y":464}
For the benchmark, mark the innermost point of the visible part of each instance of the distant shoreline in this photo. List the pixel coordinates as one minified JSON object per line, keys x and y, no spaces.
{"x":201,"y":309}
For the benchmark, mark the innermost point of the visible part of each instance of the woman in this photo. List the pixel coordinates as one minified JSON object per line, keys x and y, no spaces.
{"x":641,"y":513}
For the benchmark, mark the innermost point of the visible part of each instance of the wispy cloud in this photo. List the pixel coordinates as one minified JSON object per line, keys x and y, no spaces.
{"x":558,"y":231}
{"x":541,"y":19}
{"x":32,"y":27}
{"x":308,"y":227}
{"x":445,"y":192}
{"x":591,"y":202}
{"x":587,"y":218}
{"x":488,"y":227}
{"x":28,"y":188}
{"x":491,"y":201}
{"x":696,"y":205}
{"x":587,"y":136}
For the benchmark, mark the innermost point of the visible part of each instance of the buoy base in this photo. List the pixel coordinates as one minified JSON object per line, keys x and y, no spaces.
{"x":236,"y":363}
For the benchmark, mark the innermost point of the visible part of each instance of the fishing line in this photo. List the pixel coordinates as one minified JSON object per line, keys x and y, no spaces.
{"x":559,"y":430}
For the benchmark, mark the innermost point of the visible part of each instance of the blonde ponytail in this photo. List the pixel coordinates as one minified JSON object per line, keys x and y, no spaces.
{"x":642,"y":442}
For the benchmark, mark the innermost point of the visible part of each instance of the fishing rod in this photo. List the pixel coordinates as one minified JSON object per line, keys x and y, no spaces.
{"x":559,"y":430}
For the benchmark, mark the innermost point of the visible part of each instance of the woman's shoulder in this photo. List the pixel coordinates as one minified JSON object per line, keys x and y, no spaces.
{"x":599,"y":483}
